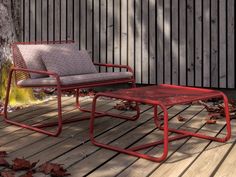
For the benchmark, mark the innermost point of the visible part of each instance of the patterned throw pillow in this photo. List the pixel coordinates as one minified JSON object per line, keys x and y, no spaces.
{"x":68,"y":62}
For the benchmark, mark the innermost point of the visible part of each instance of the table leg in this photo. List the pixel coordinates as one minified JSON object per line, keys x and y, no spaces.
{"x":130,"y":151}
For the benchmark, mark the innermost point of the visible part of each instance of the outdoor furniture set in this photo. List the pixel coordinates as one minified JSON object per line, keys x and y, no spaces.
{"x":63,"y":66}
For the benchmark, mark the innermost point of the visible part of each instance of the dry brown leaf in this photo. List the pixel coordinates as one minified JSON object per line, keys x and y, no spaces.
{"x":27,"y":174}
{"x":125,"y":105}
{"x":211,"y":121}
{"x":8,"y":173}
{"x":54,"y":169}
{"x":22,"y":164}
{"x":181,"y":118}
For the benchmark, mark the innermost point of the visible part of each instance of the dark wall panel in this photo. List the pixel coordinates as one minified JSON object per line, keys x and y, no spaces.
{"x":185,"y":42}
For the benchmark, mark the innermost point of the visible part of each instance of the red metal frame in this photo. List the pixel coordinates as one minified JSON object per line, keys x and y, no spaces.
{"x":60,"y":88}
{"x":162,"y":96}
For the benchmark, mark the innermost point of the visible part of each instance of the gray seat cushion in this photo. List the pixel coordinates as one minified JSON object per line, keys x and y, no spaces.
{"x":69,"y":62}
{"x":76,"y":79}
{"x":32,"y":54}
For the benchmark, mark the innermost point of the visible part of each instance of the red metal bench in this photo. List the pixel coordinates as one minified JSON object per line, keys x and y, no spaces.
{"x":30,"y":71}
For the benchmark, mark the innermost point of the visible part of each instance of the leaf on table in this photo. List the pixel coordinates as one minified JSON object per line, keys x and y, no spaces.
{"x":3,"y":153}
{"x":3,"y":162}
{"x":8,"y":173}
{"x":181,"y":118}
{"x":22,"y":164}
{"x":54,"y":169}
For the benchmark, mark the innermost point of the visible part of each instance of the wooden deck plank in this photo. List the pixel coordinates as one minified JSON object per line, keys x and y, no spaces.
{"x":79,"y":138}
{"x":108,"y":168}
{"x":73,"y":148}
{"x":66,"y":133}
{"x":211,"y":157}
{"x":187,"y":153}
{"x":127,"y":137}
{"x":227,"y":168}
{"x":41,"y":112}
{"x":11,"y":133}
{"x":149,"y":166}
{"x":69,"y":130}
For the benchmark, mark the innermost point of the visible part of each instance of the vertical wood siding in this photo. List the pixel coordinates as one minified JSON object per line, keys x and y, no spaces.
{"x":185,"y":42}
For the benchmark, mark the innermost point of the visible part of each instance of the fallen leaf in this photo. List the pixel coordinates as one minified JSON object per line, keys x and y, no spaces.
{"x":3,"y":162}
{"x":3,"y":153}
{"x":8,"y":173}
{"x":211,"y":121}
{"x":181,"y":118}
{"x":54,"y":169}
{"x":22,"y":164}
{"x":125,"y":106}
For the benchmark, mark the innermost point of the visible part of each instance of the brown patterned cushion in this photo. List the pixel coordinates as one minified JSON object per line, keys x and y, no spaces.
{"x":69,"y":62}
{"x":32,"y":54}
{"x":76,"y":79}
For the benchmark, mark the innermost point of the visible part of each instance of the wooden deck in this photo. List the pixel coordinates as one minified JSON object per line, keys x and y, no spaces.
{"x":187,"y":157}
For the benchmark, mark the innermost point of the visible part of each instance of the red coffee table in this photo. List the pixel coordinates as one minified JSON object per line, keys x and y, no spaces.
{"x":162,"y":96}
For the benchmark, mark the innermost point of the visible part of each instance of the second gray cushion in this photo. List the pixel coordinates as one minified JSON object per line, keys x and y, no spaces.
{"x":69,"y":62}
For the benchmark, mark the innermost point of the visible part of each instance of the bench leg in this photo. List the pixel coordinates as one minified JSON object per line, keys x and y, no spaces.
{"x":101,"y":114}
{"x":31,"y":127}
{"x":98,"y":114}
{"x":132,"y":151}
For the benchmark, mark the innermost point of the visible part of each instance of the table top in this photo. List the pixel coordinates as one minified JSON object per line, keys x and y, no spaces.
{"x":165,"y":94}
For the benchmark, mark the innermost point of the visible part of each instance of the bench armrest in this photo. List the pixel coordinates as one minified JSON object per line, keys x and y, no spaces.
{"x":49,"y":73}
{"x":115,"y":66}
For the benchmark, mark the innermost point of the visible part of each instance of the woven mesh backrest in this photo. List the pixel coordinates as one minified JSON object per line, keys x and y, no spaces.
{"x":19,"y":61}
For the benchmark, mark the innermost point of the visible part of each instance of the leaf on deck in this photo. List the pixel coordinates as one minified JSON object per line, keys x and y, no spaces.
{"x":22,"y":164}
{"x":181,"y":118}
{"x":54,"y":169}
{"x":8,"y":173}
{"x":27,"y":174}
{"x":125,"y":106}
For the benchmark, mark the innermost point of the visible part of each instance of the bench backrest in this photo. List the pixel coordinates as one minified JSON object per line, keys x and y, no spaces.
{"x":28,"y":55}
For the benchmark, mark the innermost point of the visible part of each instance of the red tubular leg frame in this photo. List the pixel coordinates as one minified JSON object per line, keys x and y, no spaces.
{"x":164,"y":127}
{"x":200,"y":135}
{"x":129,"y":151}
{"x":59,"y":122}
{"x":38,"y":127}
{"x":97,"y":114}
